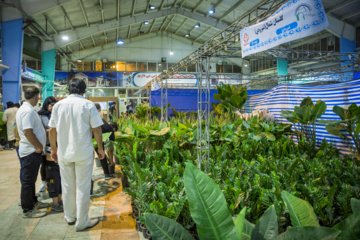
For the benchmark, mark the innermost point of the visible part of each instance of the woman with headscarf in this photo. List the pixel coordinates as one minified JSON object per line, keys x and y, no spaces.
{"x":10,"y":118}
{"x":49,"y":169}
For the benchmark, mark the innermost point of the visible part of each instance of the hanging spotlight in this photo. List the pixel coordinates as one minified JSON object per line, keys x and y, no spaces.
{"x":212,"y":11}
{"x":171,"y":52}
{"x":187,"y":35}
{"x":152,"y":7}
{"x":146,"y":22}
{"x":197,"y":25}
{"x":65,"y":37}
{"x":120,"y":41}
{"x":79,"y":60}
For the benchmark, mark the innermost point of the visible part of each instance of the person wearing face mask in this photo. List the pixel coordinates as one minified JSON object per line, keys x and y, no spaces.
{"x":49,"y":169}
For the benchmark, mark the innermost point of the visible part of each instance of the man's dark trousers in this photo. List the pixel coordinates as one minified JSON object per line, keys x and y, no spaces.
{"x":31,"y":165}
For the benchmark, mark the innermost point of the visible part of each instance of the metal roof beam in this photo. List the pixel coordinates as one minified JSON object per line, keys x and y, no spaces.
{"x":162,"y":5}
{"x":92,"y":38}
{"x":129,"y":30}
{"x":84,"y":12}
{"x":50,"y":24}
{"x":67,"y":17}
{"x":163,"y":23}
{"x":172,"y":18}
{"x":80,"y":33}
{"x":232,"y":8}
{"x":182,"y":3}
{"x":133,"y":8}
{"x":118,"y":10}
{"x":181,"y":25}
{"x":102,"y":11}
{"x":340,"y":6}
{"x":148,"y":6}
{"x":152,"y":25}
{"x":202,"y":34}
{"x":175,"y":3}
{"x":197,"y":5}
{"x":215,"y":6}
{"x":340,"y":28}
{"x":349,"y":15}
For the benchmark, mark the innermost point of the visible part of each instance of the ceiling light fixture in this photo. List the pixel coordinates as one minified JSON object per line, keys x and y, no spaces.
{"x":197,"y":25}
{"x":146,"y":22}
{"x":171,"y":52}
{"x":120,"y":41}
{"x":79,"y":60}
{"x":152,"y":7}
{"x":187,"y":35}
{"x":65,"y":37}
{"x":212,"y":11}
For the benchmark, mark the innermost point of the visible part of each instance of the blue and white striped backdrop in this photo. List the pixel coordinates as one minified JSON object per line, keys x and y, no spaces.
{"x":286,"y":96}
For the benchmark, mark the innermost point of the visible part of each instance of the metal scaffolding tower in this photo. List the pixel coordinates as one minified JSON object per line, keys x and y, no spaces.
{"x":203,"y":127}
{"x":164,"y":99}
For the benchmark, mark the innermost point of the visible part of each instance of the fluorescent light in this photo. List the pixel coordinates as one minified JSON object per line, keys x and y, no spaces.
{"x":119,"y":42}
{"x":65,"y":37}
{"x":146,"y":22}
{"x":187,"y":35}
{"x":152,"y":7}
{"x":197,"y":25}
{"x":79,"y":60}
{"x":212,"y":11}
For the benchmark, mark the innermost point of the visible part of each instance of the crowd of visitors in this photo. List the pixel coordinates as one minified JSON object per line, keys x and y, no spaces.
{"x":57,"y":140}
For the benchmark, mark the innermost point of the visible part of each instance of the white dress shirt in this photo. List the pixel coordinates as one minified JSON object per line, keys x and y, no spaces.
{"x":27,"y":118}
{"x":74,"y":117}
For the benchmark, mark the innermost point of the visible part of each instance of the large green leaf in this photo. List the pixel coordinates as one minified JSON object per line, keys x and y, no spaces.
{"x":341,"y":112}
{"x":301,"y":212}
{"x":208,"y":206}
{"x":355,"y":205}
{"x":334,"y":130}
{"x":217,"y":97}
{"x":350,"y":227}
{"x":235,"y":100}
{"x":269,"y":136}
{"x":163,"y":228}
{"x":307,"y":102}
{"x":239,"y":221}
{"x":247,"y":230}
{"x":318,"y":110}
{"x":308,"y":232}
{"x":267,"y":227}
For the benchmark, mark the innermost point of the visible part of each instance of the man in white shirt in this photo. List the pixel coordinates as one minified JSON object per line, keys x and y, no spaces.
{"x":71,"y":125}
{"x":10,"y":117}
{"x":32,"y":141}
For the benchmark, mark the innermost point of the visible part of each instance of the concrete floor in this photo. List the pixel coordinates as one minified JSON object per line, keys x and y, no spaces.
{"x":108,"y":203}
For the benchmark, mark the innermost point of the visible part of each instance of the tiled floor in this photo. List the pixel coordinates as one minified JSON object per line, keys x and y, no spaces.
{"x":108,"y":203}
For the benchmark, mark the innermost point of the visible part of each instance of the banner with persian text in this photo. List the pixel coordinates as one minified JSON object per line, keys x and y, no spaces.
{"x":293,"y":20}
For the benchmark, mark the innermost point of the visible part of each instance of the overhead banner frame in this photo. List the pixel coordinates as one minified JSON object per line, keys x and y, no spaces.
{"x":294,"y":20}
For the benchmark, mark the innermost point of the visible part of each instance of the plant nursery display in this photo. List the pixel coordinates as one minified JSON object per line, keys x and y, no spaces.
{"x":260,"y":184}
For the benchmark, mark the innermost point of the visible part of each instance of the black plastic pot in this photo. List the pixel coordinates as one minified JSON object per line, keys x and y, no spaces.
{"x":143,"y":229}
{"x":147,"y":234}
{"x":135,"y":213}
{"x":138,"y":223}
{"x":112,"y":169}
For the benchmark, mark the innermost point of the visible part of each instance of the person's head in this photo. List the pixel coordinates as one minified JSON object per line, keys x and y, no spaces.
{"x":125,"y":103}
{"x":10,"y":104}
{"x":17,"y":105}
{"x":49,"y":104}
{"x":114,"y":126}
{"x":32,"y":95}
{"x":77,"y":86}
{"x":130,"y":103}
{"x":98,"y":107}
